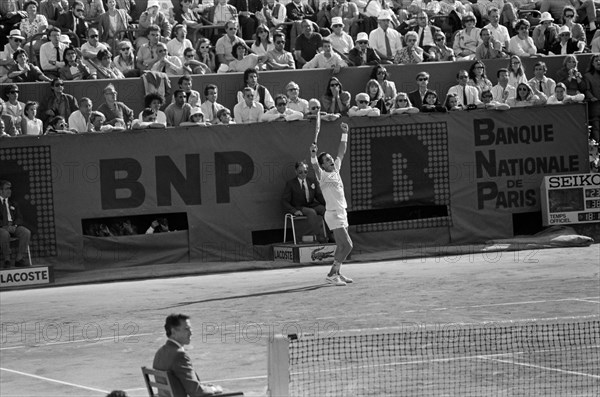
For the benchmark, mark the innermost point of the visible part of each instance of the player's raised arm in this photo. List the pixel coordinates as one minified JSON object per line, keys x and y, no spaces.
{"x":344,"y":141}
{"x":314,"y":161}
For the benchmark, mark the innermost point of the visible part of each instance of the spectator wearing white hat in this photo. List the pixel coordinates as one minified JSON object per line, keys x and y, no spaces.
{"x":362,"y":54}
{"x":362,"y":107}
{"x":294,"y":101}
{"x":348,"y":11}
{"x":384,"y":40}
{"x":341,"y":41}
{"x":15,"y":40}
{"x":326,"y":59}
{"x":545,"y":34}
{"x":566,"y":44}
{"x":196,"y":119}
{"x":152,"y":16}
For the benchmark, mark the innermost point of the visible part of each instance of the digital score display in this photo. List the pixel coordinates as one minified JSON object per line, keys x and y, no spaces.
{"x":570,"y":199}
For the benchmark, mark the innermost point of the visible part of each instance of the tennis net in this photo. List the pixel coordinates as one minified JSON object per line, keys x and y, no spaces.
{"x":495,"y":359}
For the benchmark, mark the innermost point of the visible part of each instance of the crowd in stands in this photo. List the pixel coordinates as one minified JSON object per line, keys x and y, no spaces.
{"x":59,"y":40}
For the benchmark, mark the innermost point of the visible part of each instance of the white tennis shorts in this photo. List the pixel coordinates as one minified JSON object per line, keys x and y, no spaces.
{"x":336,"y":218}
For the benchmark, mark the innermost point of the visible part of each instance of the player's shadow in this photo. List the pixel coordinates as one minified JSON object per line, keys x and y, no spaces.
{"x":265,"y":293}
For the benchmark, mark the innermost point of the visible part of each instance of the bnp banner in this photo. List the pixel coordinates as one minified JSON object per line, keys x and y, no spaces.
{"x":498,"y":161}
{"x":214,"y":194}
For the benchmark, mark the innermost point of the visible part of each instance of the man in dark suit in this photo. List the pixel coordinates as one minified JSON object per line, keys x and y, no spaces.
{"x":173,"y":358}
{"x":302,"y":197}
{"x":362,"y":54}
{"x":247,"y":10}
{"x":416,"y":96}
{"x":73,"y":21}
{"x":11,"y":226}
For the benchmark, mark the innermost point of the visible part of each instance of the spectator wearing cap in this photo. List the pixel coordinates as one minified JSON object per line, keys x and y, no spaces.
{"x":177,"y":46}
{"x":59,"y":103}
{"x":196,"y":119}
{"x":362,"y":107}
{"x":348,"y":11}
{"x":24,"y":71}
{"x":521,"y":44}
{"x":362,"y":54}
{"x":281,"y":112}
{"x":545,"y":34}
{"x":294,"y":101}
{"x":384,"y":40}
{"x":307,"y":44}
{"x":111,"y":22}
{"x":326,"y":59}
{"x":499,"y":32}
{"x":374,"y":9}
{"x":117,"y":113}
{"x":90,"y":50}
{"x":278,"y":58}
{"x":74,"y":20}
{"x":248,"y":110}
{"x":7,"y":61}
{"x":210,"y":107}
{"x":341,"y":41}
{"x":566,"y":44}
{"x":178,"y":111}
{"x":153,"y":17}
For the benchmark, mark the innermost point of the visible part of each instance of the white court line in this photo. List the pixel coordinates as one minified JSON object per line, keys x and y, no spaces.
{"x":92,"y":341}
{"x":585,"y":299}
{"x":53,"y":380}
{"x":541,"y":367}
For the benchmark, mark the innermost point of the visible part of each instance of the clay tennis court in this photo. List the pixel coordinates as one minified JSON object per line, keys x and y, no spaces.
{"x":87,"y":340}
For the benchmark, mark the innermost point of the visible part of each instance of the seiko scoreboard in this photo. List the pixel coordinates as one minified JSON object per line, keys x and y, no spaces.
{"x":571,"y":199}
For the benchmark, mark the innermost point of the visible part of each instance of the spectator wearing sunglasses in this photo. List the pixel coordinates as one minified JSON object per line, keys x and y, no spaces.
{"x":566,"y":44}
{"x":281,"y":112}
{"x":440,"y":52}
{"x":278,"y":58}
{"x":248,"y":110}
{"x":74,"y":20}
{"x":362,"y":108}
{"x":90,"y":50}
{"x":362,"y":54}
{"x":124,"y":61}
{"x":15,"y":40}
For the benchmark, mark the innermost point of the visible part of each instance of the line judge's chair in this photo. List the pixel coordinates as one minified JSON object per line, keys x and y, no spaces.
{"x":292,"y":218}
{"x":159,"y":380}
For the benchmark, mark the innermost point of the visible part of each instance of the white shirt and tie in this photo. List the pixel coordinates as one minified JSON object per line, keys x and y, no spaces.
{"x":467,"y":92}
{"x":6,"y":207}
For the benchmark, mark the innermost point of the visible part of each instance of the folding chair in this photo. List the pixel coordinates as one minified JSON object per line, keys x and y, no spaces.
{"x":292,"y":218}
{"x":161,"y":383}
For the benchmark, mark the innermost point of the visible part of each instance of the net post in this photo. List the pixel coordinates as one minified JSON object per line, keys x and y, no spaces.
{"x":278,"y":363}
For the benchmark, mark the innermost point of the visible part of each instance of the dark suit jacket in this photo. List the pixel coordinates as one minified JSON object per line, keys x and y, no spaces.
{"x":356,"y":59}
{"x":240,"y":5}
{"x":183,"y":378}
{"x":297,"y":14}
{"x":15,"y":213}
{"x":294,"y":198}
{"x":571,"y":47}
{"x":9,"y":125}
{"x":66,"y":22}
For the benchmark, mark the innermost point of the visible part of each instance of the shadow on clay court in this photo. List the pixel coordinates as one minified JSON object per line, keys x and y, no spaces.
{"x":264,"y":293}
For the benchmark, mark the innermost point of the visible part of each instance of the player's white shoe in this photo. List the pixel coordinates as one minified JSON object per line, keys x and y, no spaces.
{"x":335,"y":280}
{"x":345,"y":279}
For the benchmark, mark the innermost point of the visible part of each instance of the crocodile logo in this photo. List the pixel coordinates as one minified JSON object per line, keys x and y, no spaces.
{"x":317,"y":255}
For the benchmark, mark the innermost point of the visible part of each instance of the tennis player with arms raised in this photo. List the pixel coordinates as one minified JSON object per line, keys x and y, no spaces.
{"x":327,"y":171}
